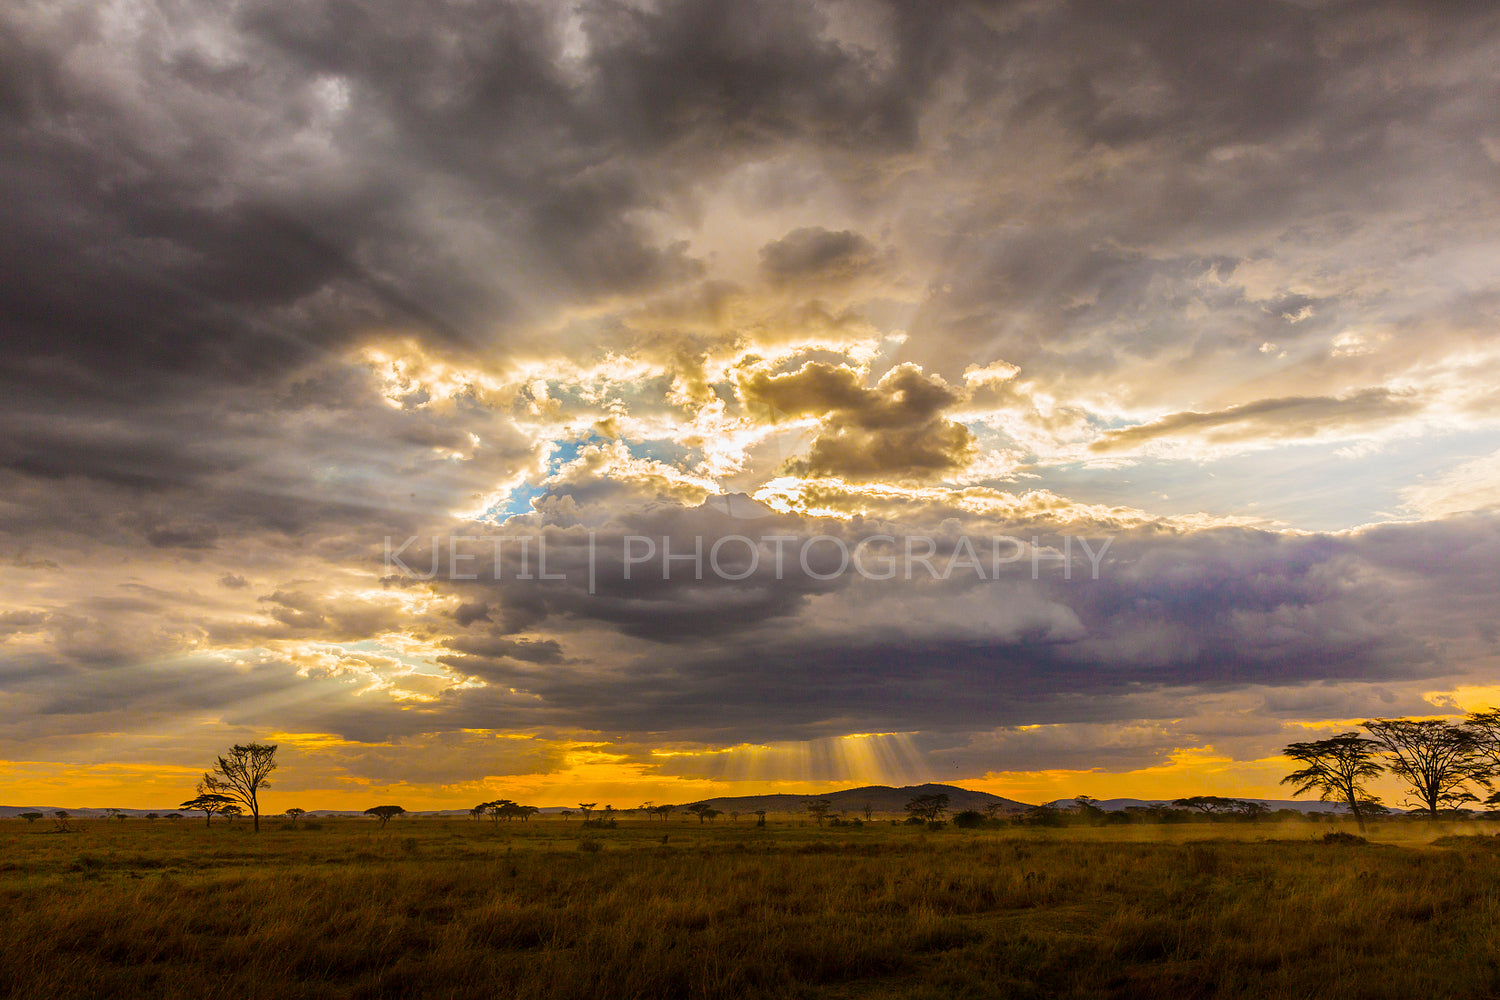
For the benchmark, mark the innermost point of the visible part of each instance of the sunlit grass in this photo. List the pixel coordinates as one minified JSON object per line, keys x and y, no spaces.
{"x":545,"y":909}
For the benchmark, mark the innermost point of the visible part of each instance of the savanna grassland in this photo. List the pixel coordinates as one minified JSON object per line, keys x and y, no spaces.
{"x":440,"y":908}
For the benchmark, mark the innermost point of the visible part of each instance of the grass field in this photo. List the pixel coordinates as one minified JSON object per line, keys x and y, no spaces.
{"x":442,"y":908}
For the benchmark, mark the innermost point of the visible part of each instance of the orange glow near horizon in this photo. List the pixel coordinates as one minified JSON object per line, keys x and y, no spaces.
{"x":591,"y":773}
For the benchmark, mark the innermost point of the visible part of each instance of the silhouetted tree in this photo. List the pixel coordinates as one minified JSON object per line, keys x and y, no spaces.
{"x":1437,"y":760}
{"x":1486,"y":729}
{"x":818,"y":809}
{"x":586,"y":808}
{"x":869,"y":810}
{"x":1337,"y":768}
{"x":503,"y":809}
{"x":232,"y":810}
{"x":760,"y":817}
{"x":153,"y":817}
{"x":1088,"y":808}
{"x":664,"y":810}
{"x":242,"y":773}
{"x":209,"y":802}
{"x":31,"y":817}
{"x":700,"y":809}
{"x":384,"y":813}
{"x":566,"y":814}
{"x":60,"y":821}
{"x":295,"y":814}
{"x":928,"y":807}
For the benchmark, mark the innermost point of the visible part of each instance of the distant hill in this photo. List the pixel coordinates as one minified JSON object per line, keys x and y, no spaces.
{"x":878,"y":798}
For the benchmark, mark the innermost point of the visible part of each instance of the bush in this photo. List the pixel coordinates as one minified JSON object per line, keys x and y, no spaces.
{"x":1343,"y":838}
{"x":969,"y":819}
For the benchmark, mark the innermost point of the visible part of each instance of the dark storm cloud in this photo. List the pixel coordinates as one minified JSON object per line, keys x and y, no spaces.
{"x":1305,"y":134}
{"x":268,"y":186}
{"x":1225,"y":611}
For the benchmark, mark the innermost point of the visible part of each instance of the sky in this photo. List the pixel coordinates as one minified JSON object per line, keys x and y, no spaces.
{"x":1115,"y":380}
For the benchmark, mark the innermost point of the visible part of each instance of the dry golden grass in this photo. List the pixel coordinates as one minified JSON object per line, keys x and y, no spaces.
{"x":463,"y":909}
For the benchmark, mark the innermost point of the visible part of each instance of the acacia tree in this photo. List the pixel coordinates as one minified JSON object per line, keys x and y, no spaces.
{"x":295,"y":814}
{"x":702,"y":810}
{"x":31,"y":817}
{"x":209,"y":802}
{"x":384,"y":813}
{"x":1437,"y":760}
{"x":498,"y":809}
{"x":1337,"y":768}
{"x":929,"y":807}
{"x":1486,"y":729}
{"x":242,"y":773}
{"x":817,"y":808}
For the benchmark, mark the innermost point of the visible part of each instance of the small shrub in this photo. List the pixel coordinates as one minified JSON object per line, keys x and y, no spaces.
{"x":1340,"y":837}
